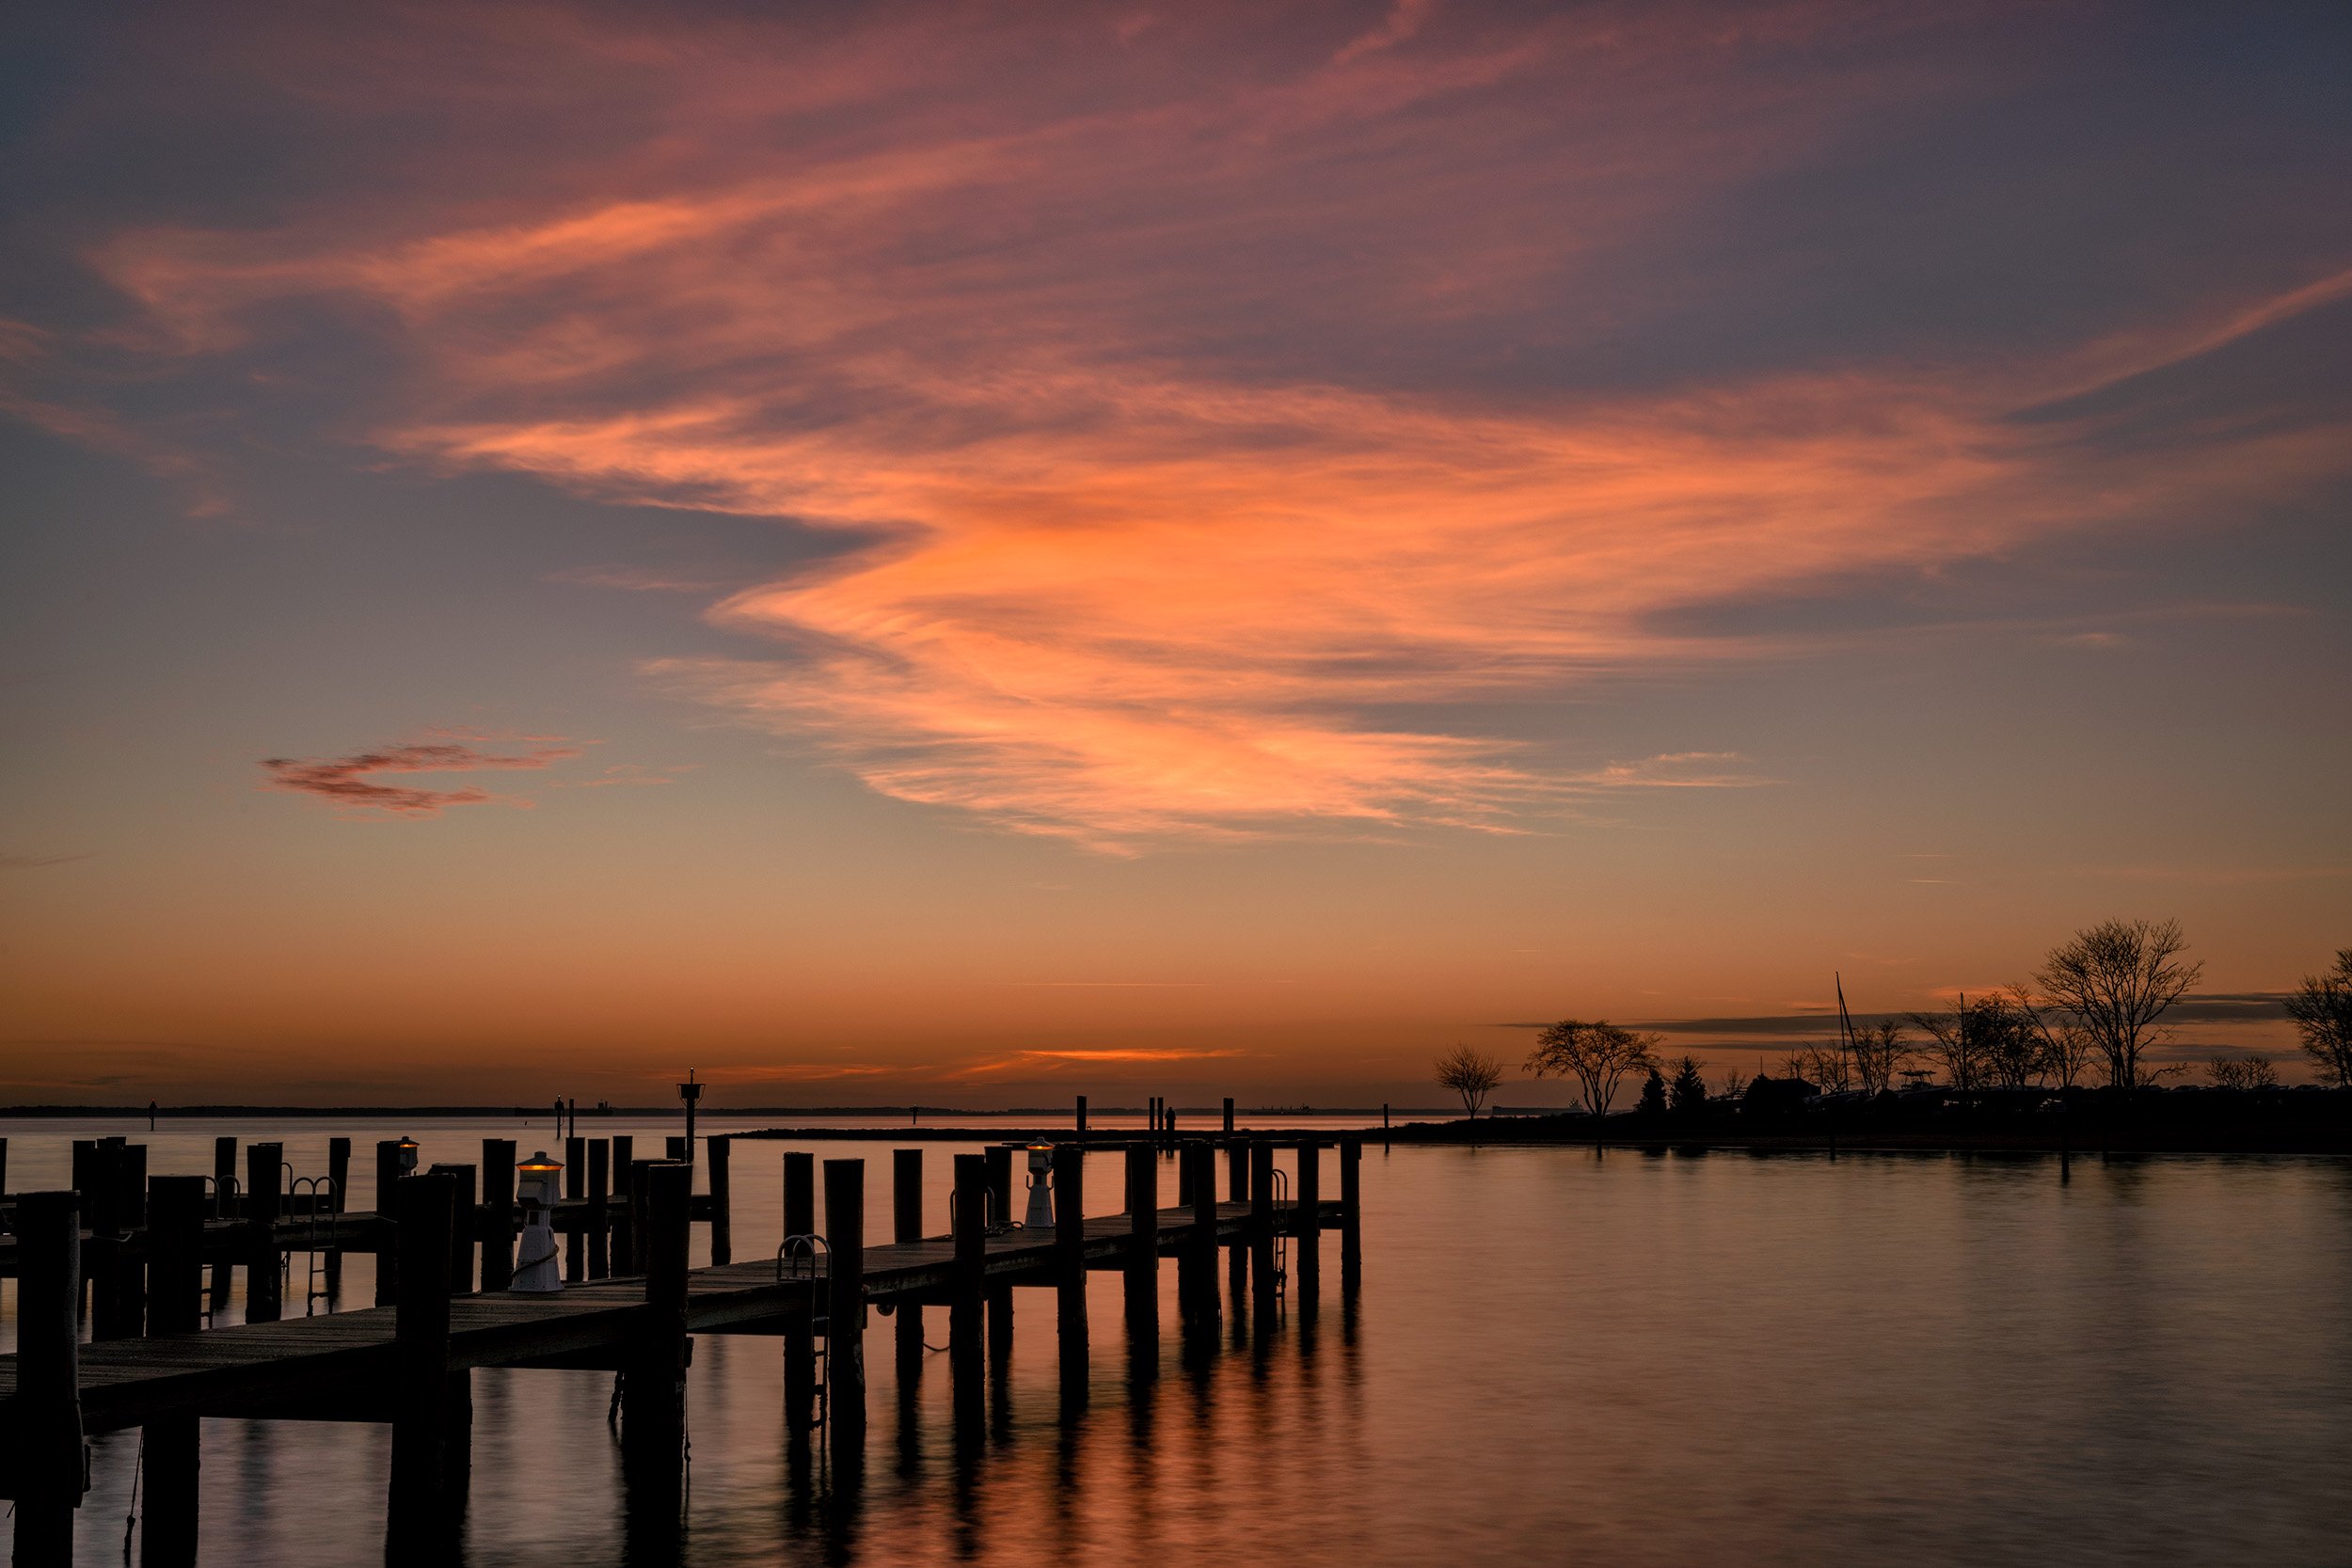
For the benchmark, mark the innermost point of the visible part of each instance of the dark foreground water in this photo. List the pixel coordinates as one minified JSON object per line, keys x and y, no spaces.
{"x":1556,"y":1356}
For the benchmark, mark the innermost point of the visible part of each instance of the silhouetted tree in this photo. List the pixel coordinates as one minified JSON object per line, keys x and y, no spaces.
{"x":1687,"y":1094}
{"x":1653,"y":1101}
{"x":1879,"y":1051}
{"x":1472,"y":1074}
{"x":1827,"y":1068}
{"x":2322,"y":1010}
{"x":1954,"y":1044}
{"x":1598,"y":1055}
{"x":2118,"y":979}
{"x":2242,"y":1073}
{"x":2066,"y":1045}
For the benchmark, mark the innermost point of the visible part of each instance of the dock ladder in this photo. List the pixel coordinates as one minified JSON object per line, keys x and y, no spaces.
{"x":797,"y":1260}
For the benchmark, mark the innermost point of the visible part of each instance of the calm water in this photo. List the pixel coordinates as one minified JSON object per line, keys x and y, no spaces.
{"x":1556,"y":1357}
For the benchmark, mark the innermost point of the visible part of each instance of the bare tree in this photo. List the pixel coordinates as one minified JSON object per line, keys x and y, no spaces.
{"x":2066,"y":1045}
{"x":2117,"y":979}
{"x":1472,"y":1074}
{"x":2322,"y":1010}
{"x":1827,"y":1068}
{"x":1879,"y":1051}
{"x":1953,"y":1042}
{"x":2242,"y":1073}
{"x":1598,"y":1055}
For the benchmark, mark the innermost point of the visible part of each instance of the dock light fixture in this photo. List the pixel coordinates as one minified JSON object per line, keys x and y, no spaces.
{"x":538,"y":1183}
{"x":1041,"y":1212}
{"x":407,"y":1156}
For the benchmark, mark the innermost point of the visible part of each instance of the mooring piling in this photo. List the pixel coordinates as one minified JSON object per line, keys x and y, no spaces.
{"x":1070,"y":1272}
{"x":264,"y":1172}
{"x":168,"y":1446}
{"x":576,"y":1191}
{"x":600,"y":1208}
{"x":906,"y":1225}
{"x":1306,"y":1193}
{"x":461,"y":1233}
{"x":48,"y":1442}
{"x":845,"y":1309}
{"x":498,"y":1219}
{"x":417,"y":1523}
{"x":1262,"y":1274}
{"x":800,"y":1320}
{"x":338,"y":1202}
{"x":1351,"y":1212}
{"x":653,"y":1375}
{"x":722,"y":1149}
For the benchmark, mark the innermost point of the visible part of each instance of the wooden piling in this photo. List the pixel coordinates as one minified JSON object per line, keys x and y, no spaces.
{"x":418,"y":1526}
{"x":576,"y":1189}
{"x":999,"y":1158}
{"x":600,"y":1208}
{"x":999,"y":1296}
{"x":1307,"y":1224}
{"x":906,"y":1225}
{"x":1143,"y":1245}
{"x":799,"y":1323}
{"x":49,"y":1443}
{"x":722,"y":1200}
{"x":388,"y":1177}
{"x":339,"y":1201}
{"x":1082,"y":1112}
{"x":653,"y":1376}
{"x":967,"y":1222}
{"x":1070,"y":1280}
{"x":844,"y":1309}
{"x":678,"y":1148}
{"x":265,"y":1290}
{"x":461,"y":1234}
{"x":1197,"y":1270}
{"x":168,"y":1447}
{"x":120,"y":1286}
{"x":497,"y":1217}
{"x":1261,"y":1277}
{"x":1351,"y":1212}
{"x":1237,"y":1191}
{"x":1229,"y":1113}
{"x":620,"y":1244}
{"x":628,"y":1191}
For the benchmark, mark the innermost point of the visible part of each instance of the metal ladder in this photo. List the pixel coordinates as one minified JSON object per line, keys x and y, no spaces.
{"x":797,"y":1260}
{"x":222,"y":1194}
{"x":315,"y":1237}
{"x":1281,"y":1243}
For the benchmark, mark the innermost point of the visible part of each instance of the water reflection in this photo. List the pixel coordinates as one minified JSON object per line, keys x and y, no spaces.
{"x":1556,"y":1355}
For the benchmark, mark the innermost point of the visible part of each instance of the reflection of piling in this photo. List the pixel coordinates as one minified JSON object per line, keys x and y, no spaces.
{"x":800,"y":1319}
{"x":168,"y":1446}
{"x":845,"y":1309}
{"x":49,"y":1451}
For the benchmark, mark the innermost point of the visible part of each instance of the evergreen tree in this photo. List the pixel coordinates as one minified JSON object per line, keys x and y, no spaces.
{"x":1653,"y":1101}
{"x":1687,"y":1092}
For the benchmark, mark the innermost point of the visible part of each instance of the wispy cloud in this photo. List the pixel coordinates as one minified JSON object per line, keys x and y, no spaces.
{"x":1103,"y":1056}
{"x":34,"y":863}
{"x":1216,"y":445}
{"x":349,"y":782}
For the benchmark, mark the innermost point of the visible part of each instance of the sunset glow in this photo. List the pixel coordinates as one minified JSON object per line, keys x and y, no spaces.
{"x":1157,"y":549}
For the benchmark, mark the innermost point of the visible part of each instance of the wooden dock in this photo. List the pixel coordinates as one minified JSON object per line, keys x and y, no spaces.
{"x":408,"y":1363}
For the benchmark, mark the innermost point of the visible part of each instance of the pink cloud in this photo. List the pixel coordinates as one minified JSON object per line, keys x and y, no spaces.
{"x":349,"y":782}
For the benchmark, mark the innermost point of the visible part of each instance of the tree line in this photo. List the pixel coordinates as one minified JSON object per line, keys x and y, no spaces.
{"x":2092,"y":1009}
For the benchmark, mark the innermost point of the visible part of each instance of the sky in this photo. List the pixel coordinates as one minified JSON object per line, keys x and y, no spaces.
{"x":971,"y":554}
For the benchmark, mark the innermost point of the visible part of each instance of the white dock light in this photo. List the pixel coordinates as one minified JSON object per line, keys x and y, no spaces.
{"x":539,"y":1181}
{"x":1040,"y":1214}
{"x":408,"y":1155}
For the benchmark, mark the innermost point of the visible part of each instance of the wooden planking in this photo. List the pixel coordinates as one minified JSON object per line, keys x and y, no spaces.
{"x":298,"y":1362}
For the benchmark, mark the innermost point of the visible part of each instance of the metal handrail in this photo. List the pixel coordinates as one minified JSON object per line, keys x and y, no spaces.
{"x":799,"y":1251}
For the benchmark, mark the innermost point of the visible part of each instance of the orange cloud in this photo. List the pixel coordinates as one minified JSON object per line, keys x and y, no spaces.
{"x":1109,"y":1057}
{"x":1126,"y":574}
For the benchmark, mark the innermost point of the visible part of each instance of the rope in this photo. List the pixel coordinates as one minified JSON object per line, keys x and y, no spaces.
{"x":131,"y":1520}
